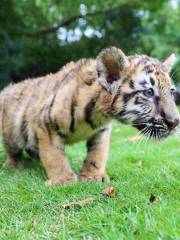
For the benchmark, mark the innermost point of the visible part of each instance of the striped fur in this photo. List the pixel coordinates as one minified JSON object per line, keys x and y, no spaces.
{"x":78,"y":103}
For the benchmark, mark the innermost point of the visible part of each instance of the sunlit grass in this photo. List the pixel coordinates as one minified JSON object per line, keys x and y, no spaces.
{"x":128,"y":215}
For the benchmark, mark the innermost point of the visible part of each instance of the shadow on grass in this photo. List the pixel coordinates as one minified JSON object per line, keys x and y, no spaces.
{"x":26,"y":165}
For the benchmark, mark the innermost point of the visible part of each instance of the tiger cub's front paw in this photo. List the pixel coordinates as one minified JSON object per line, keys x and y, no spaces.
{"x":89,"y":177}
{"x":61,"y":180}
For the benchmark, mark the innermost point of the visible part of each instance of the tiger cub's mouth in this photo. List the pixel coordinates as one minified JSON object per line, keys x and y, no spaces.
{"x":155,"y":130}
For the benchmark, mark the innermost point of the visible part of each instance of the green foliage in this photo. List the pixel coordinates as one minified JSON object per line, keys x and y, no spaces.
{"x":29,"y":210}
{"x":39,"y":36}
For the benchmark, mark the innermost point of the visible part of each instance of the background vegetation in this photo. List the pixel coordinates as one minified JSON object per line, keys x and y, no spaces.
{"x":40,"y":36}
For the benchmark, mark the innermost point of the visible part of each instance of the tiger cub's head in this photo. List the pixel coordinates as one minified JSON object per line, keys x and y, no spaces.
{"x":141,"y":89}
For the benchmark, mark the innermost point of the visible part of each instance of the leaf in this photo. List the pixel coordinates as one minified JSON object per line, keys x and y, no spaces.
{"x":1,"y":152}
{"x":135,"y":138}
{"x":139,"y":164}
{"x":109,"y":191}
{"x":79,"y":203}
{"x":34,"y":224}
{"x":142,"y":151}
{"x":152,"y":198}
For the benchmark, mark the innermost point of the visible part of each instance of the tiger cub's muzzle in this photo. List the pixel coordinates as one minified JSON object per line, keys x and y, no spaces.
{"x":157,"y":128}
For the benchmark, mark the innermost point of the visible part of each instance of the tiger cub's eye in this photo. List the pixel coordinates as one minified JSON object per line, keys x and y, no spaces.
{"x":148,"y":92}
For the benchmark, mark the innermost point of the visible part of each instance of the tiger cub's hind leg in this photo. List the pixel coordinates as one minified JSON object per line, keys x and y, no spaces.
{"x":13,"y":159}
{"x":14,"y":153}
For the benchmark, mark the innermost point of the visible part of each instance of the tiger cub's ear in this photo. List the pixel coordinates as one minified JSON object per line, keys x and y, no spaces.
{"x":169,"y":62}
{"x":110,"y":62}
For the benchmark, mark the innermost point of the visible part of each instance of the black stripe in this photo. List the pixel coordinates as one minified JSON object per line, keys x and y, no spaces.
{"x":6,"y":141}
{"x":92,"y":143}
{"x":133,"y":112}
{"x":122,"y":112}
{"x":137,"y":101}
{"x":36,"y":141}
{"x":24,"y":123}
{"x":94,"y":164}
{"x":148,"y":69}
{"x":88,"y":113}
{"x":65,"y":76}
{"x":50,"y":109}
{"x":116,"y":97}
{"x":128,"y":96}
{"x":32,"y":153}
{"x":47,"y":125}
{"x":95,"y":139}
{"x":52,"y":123}
{"x":23,"y":128}
{"x":156,"y":102}
{"x":152,"y":81}
{"x":72,"y":124}
{"x":61,"y":134}
{"x":41,"y":114}
{"x":143,"y":83}
{"x":101,"y":130}
{"x":58,"y":130}
{"x":131,"y":84}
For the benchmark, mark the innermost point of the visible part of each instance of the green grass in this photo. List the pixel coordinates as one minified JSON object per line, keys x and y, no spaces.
{"x":128,"y":215}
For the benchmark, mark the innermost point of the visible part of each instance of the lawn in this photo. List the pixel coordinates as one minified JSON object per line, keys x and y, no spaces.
{"x":138,"y":169}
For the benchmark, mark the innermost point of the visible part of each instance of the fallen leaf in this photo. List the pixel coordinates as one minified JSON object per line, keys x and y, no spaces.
{"x":34,"y":224}
{"x":142,"y":151}
{"x":109,"y":191}
{"x":139,"y":164}
{"x":135,"y":138}
{"x":152,"y":198}
{"x":79,"y":203}
{"x":1,"y":151}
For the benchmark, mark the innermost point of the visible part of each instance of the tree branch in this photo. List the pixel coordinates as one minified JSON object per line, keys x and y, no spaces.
{"x":67,"y":22}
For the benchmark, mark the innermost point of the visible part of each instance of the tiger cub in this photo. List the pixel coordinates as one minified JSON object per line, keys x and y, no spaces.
{"x":77,"y":103}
